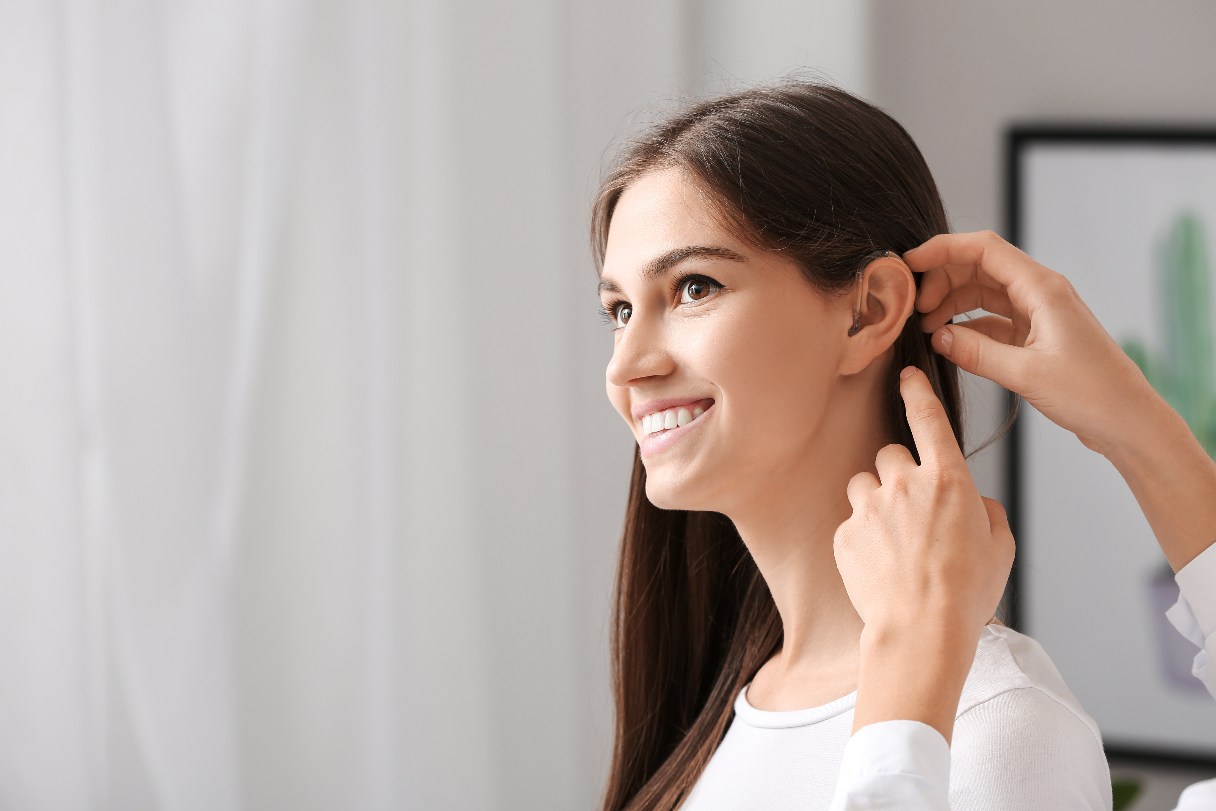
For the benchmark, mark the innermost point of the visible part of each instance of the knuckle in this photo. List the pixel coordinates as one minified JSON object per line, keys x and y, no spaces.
{"x":844,"y":536}
{"x":889,"y":450}
{"x":839,"y":536}
{"x":943,"y":478}
{"x":901,"y":488}
{"x":1062,"y":287}
{"x":922,"y":412}
{"x":892,"y":457}
{"x":967,"y":354}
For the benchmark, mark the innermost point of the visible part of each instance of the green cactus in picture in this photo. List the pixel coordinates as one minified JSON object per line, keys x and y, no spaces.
{"x":1186,"y":375}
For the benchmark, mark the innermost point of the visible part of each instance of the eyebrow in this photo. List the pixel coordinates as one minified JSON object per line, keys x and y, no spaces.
{"x":665,"y":262}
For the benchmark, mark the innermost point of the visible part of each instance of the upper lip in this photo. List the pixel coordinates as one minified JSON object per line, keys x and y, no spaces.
{"x":652,"y":406}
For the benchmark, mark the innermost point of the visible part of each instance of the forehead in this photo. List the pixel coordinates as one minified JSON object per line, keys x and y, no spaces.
{"x":660,"y":210}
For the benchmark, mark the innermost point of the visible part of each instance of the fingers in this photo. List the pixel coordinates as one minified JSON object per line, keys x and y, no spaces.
{"x":964,"y":299}
{"x":860,"y":486}
{"x":987,"y":347}
{"x":952,"y":260}
{"x":935,"y":442}
{"x":890,"y":459}
{"x":996,"y":327}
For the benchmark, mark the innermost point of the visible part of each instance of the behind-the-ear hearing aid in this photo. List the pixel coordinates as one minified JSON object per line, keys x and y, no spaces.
{"x":856,"y":328}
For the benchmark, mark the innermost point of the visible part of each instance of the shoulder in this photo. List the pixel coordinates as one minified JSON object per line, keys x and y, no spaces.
{"x":1007,"y":661}
{"x":1021,"y":738}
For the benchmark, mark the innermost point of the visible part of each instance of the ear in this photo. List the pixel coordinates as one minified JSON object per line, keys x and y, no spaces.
{"x":887,"y":294}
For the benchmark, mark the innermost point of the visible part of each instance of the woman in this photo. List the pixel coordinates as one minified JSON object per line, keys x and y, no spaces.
{"x":1044,"y":344}
{"x":761,"y":315}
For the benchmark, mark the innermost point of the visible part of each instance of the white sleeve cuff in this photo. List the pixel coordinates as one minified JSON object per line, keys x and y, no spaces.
{"x":1197,"y":582}
{"x":1199,"y":797}
{"x":894,"y":765}
{"x":1194,"y":614}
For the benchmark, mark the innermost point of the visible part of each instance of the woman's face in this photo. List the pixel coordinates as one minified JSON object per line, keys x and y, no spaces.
{"x":724,"y":327}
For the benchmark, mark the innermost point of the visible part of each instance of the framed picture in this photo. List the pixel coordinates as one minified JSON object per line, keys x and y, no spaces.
{"x":1129,"y":216}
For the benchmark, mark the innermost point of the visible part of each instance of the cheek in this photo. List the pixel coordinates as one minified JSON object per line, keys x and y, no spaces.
{"x":777,"y":380}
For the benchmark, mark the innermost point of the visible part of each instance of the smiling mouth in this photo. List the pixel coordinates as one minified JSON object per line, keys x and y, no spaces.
{"x":670,"y":419}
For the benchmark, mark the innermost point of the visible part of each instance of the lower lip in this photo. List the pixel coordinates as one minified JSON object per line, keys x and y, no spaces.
{"x":655,"y":444}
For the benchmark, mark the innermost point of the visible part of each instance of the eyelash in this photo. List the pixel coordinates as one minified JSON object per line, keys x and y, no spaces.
{"x":608,"y":311}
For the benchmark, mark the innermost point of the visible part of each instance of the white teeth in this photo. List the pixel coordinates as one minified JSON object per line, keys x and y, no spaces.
{"x":672,"y":418}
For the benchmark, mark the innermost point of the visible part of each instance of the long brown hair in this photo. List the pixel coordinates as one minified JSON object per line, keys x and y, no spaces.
{"x":819,"y":175}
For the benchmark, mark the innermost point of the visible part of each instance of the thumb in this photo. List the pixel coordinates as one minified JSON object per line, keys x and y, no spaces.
{"x":975,"y":352}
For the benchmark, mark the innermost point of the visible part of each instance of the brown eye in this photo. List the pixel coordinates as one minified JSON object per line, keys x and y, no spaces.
{"x":698,"y":287}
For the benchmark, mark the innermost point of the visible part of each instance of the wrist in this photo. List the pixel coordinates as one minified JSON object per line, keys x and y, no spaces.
{"x":1154,"y":444}
{"x":942,"y":632}
{"x":914,"y":672}
{"x":1172,"y":477}
{"x":1140,"y":407}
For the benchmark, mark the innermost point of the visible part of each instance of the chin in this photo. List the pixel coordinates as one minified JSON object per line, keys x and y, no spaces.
{"x":675,"y":495}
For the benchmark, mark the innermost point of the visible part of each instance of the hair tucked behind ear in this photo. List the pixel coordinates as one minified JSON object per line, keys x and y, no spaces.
{"x":808,"y":170}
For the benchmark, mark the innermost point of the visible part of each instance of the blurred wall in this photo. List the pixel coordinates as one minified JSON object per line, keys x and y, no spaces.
{"x":757,"y":42}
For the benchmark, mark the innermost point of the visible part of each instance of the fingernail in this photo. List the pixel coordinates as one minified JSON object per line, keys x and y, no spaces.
{"x":907,"y":372}
{"x":946,"y":339}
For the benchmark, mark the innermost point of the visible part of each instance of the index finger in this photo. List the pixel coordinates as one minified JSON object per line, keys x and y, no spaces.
{"x":931,"y":431}
{"x":952,"y":260}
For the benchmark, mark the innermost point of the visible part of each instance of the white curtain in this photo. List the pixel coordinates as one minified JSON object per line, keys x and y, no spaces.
{"x":197,"y":293}
{"x":309,"y":490}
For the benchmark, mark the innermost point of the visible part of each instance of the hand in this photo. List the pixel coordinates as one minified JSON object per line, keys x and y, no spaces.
{"x":922,"y":545}
{"x":1042,"y":342}
{"x":924,"y":559}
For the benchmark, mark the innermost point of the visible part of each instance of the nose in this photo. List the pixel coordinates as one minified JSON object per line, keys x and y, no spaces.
{"x":640,"y":352}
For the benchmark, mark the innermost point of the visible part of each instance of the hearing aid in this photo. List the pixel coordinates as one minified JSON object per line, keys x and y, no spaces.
{"x":856,"y":328}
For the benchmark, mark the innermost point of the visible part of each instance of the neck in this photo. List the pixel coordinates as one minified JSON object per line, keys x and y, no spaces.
{"x":789,"y":531}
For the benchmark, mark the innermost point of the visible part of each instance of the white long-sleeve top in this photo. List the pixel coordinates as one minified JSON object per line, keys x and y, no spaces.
{"x":908,"y":765}
{"x":1021,"y":741}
